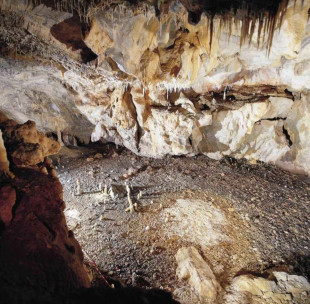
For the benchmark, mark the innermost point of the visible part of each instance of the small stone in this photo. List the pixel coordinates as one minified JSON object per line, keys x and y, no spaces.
{"x":98,"y":156}
{"x":44,"y":170}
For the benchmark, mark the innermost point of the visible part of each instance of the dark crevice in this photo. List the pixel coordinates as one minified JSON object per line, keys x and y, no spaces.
{"x":70,"y":249}
{"x":194,"y":17}
{"x":285,"y":132}
{"x":140,"y":130}
{"x":190,"y":141}
{"x":44,"y":223}
{"x":289,"y":94}
{"x":19,"y":195}
{"x":70,"y":32}
{"x":273,"y":119}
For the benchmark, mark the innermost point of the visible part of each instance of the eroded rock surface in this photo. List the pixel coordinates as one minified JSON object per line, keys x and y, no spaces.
{"x":151,"y":80}
{"x":283,"y":288}
{"x":39,"y":256}
{"x":27,"y":146}
{"x":40,"y":259}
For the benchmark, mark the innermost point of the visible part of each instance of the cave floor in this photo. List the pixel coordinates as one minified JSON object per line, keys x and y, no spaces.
{"x":242,"y":218}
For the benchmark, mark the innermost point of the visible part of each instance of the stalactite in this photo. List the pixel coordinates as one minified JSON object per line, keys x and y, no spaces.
{"x":263,"y":19}
{"x":265,"y":22}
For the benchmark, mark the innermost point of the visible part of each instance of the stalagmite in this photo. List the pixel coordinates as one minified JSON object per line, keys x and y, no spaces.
{"x":131,"y":207}
{"x":78,"y":187}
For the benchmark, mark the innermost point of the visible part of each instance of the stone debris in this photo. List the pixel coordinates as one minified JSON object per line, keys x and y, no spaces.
{"x":278,"y":288}
{"x":119,"y":191}
{"x":98,"y":156}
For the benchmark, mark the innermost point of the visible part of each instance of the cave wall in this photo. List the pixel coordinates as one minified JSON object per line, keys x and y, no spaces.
{"x":40,"y":259}
{"x":156,"y":84}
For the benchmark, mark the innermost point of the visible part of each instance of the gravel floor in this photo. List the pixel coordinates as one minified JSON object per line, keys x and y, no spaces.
{"x":243,"y":218}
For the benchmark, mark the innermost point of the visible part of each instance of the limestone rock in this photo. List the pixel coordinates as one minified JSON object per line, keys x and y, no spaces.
{"x":158,"y":86}
{"x":27,"y":146}
{"x":285,"y":289}
{"x":192,"y":267}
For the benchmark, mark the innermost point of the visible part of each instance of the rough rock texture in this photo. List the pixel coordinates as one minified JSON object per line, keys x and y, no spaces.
{"x":153,"y":81}
{"x":283,"y":288}
{"x":40,"y":260}
{"x":192,"y":266}
{"x":27,"y":146}
{"x":278,"y":288}
{"x":38,"y":254}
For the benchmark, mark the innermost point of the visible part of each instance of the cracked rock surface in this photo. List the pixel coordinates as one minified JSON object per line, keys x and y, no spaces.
{"x":147,"y":78}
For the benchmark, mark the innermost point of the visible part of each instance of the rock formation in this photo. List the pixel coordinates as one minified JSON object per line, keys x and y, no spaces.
{"x":220,"y":78}
{"x":26,"y":145}
{"x":192,"y":266}
{"x":38,"y":255}
{"x":40,"y":260}
{"x":175,"y":77}
{"x":280,"y":288}
{"x":273,"y":287}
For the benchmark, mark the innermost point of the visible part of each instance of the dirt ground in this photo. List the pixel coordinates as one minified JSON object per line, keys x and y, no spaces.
{"x":242,"y":218}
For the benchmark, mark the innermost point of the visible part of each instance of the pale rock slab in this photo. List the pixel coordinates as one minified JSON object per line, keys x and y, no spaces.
{"x":298,"y":128}
{"x":197,"y":221}
{"x":192,"y":267}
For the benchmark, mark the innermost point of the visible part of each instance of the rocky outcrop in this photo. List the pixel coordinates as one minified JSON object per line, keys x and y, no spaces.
{"x":27,"y":146}
{"x":281,"y":288}
{"x":4,"y":163}
{"x":273,"y":287}
{"x":156,"y":84}
{"x":39,"y":257}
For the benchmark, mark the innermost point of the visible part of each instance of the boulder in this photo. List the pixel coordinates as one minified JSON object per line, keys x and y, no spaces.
{"x":193,"y":268}
{"x":278,"y":288}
